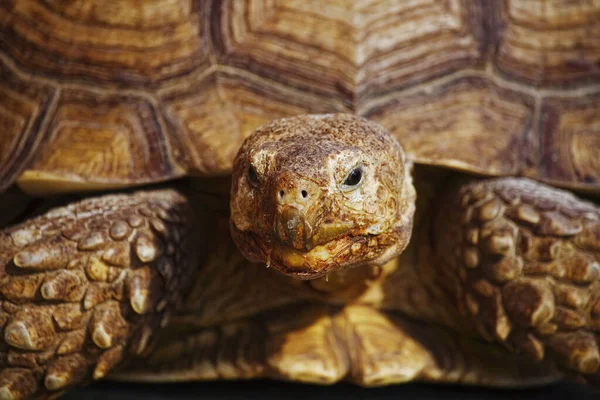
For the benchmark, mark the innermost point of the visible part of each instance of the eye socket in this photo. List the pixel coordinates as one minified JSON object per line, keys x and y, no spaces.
{"x":253,"y":175}
{"x":353,"y":178}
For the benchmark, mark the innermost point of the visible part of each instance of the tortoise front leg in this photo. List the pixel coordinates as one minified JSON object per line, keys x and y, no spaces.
{"x":521,"y":260}
{"x":84,"y":285}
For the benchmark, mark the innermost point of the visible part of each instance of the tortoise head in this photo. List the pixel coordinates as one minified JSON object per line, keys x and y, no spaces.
{"x":316,"y":193}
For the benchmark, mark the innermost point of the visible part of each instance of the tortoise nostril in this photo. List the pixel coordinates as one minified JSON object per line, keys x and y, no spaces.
{"x":281,"y":194}
{"x":304,"y":193}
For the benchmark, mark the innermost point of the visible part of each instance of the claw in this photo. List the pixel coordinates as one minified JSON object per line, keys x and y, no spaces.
{"x":32,"y":331}
{"x":101,"y":337}
{"x":139,"y":301}
{"x":146,"y":249}
{"x":107,"y":361}
{"x":18,"y":336}
{"x":17,"y":384}
{"x":64,"y":372}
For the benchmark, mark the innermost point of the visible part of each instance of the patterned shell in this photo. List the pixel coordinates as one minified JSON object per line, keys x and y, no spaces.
{"x":98,"y":94}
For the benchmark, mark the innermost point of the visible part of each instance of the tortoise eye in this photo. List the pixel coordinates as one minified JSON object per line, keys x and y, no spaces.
{"x":253,"y":175}
{"x":353,"y":178}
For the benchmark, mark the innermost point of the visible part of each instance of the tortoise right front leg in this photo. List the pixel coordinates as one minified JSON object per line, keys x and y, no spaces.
{"x":83,"y":286}
{"x":522,"y":261}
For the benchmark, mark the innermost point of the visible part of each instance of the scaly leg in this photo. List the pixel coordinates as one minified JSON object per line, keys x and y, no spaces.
{"x":522,"y":261}
{"x":84,"y":285}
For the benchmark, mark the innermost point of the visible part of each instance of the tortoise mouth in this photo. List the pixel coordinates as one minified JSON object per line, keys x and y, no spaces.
{"x":341,"y":253}
{"x":318,"y":261}
{"x":351,"y":250}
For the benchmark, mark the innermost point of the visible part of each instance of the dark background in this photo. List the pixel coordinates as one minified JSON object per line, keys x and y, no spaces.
{"x":277,"y":390}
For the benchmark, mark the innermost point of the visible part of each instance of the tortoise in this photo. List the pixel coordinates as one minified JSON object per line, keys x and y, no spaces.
{"x":409,"y":207}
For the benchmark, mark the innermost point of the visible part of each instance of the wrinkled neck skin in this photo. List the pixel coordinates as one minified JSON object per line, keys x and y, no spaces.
{"x":316,"y":194}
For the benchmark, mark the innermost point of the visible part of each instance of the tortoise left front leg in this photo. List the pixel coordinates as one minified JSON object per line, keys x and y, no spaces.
{"x":521,"y":260}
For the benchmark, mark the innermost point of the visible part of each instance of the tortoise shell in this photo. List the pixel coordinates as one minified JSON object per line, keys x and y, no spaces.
{"x":98,"y":94}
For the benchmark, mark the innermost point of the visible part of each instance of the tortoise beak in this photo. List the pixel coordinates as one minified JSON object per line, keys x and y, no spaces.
{"x":295,"y":228}
{"x":299,"y":205}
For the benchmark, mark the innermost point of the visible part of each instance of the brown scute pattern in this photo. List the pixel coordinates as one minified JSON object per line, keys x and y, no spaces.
{"x":549,"y":43}
{"x":345,"y":61}
{"x":124,"y":43}
{"x":527,"y":269}
{"x":327,"y":344}
{"x":217,"y":112}
{"x":570,"y":140}
{"x":82,"y":287}
{"x":482,"y":121}
{"x":23,"y":105}
{"x":121,"y":139}
{"x":210,"y":72}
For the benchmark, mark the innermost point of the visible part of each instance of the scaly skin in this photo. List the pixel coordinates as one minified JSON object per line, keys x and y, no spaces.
{"x":511,"y":261}
{"x":96,"y":97}
{"x":523,"y":262}
{"x":300,"y":217}
{"x":245,"y":321}
{"x":87,"y":285}
{"x":508,"y":250}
